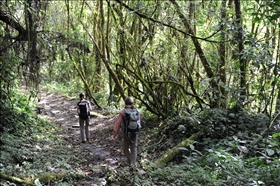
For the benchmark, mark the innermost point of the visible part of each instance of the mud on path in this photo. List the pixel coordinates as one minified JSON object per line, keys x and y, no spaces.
{"x":100,"y":152}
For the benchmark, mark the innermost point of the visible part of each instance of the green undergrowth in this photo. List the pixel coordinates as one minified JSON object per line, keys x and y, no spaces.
{"x":239,"y":155}
{"x":236,"y":149}
{"x":31,"y":146}
{"x":66,"y":89}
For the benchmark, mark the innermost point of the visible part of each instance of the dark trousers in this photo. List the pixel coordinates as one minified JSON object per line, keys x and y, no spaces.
{"x":130,"y":148}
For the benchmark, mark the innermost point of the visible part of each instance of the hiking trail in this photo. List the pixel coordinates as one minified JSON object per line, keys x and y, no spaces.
{"x":100,"y":152}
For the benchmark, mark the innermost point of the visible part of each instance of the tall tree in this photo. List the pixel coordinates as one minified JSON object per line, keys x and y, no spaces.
{"x":222,"y":52}
{"x":242,"y":61}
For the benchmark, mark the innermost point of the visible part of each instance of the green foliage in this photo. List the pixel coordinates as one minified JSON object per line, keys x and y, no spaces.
{"x":213,"y":167}
{"x":268,"y":10}
{"x":9,"y":78}
{"x":276,"y":135}
{"x":147,"y":44}
{"x":221,"y":122}
{"x":70,"y":88}
{"x":15,"y":117}
{"x":149,"y":49}
{"x":240,"y":160}
{"x":30,"y":144}
{"x":243,"y":158}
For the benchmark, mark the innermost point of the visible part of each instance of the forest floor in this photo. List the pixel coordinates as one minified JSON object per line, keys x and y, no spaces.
{"x":101,"y":152}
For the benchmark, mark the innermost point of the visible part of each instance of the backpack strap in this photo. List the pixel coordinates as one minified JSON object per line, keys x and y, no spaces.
{"x":126,"y":121}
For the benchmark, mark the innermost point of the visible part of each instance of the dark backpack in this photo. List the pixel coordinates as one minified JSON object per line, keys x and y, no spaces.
{"x":84,"y":110}
{"x":131,"y":122}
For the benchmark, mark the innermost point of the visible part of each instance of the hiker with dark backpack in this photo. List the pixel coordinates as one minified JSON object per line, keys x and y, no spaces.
{"x":130,"y":118}
{"x":83,"y":109}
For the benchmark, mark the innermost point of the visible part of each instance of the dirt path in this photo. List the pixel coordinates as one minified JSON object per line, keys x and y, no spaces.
{"x":101,"y":153}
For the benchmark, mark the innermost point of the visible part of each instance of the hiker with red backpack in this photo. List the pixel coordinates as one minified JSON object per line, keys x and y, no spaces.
{"x":130,"y":118}
{"x":83,"y":109}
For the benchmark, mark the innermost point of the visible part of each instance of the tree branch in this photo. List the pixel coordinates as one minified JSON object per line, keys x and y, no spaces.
{"x":14,"y":24}
{"x":182,"y":87}
{"x":170,"y":26}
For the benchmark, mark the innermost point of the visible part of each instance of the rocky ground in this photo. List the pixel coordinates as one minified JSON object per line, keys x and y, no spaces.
{"x":101,"y":152}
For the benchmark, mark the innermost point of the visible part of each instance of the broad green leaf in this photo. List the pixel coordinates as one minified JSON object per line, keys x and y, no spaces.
{"x":191,"y":146}
{"x":37,"y":182}
{"x":276,"y":135}
{"x":270,"y":152}
{"x":210,"y":150}
{"x":183,"y":148}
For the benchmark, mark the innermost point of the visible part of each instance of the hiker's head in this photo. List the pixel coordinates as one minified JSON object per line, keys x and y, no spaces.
{"x":129,"y":102}
{"x":82,"y":96}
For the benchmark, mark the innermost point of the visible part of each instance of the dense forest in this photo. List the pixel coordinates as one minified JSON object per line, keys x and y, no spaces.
{"x":205,"y":75}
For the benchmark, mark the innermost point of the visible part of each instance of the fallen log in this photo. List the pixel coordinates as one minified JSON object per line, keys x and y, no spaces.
{"x":42,"y":178}
{"x":171,"y":153}
{"x":95,"y":114}
{"x":15,"y":179}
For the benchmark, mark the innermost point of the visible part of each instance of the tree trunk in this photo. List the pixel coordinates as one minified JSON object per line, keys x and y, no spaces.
{"x":107,"y":65}
{"x":199,"y":51}
{"x":221,"y":67}
{"x":101,"y":43}
{"x":242,"y":60}
{"x":277,"y":106}
{"x":86,"y":85}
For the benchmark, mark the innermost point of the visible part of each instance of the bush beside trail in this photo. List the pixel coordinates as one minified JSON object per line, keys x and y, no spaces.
{"x":47,"y":148}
